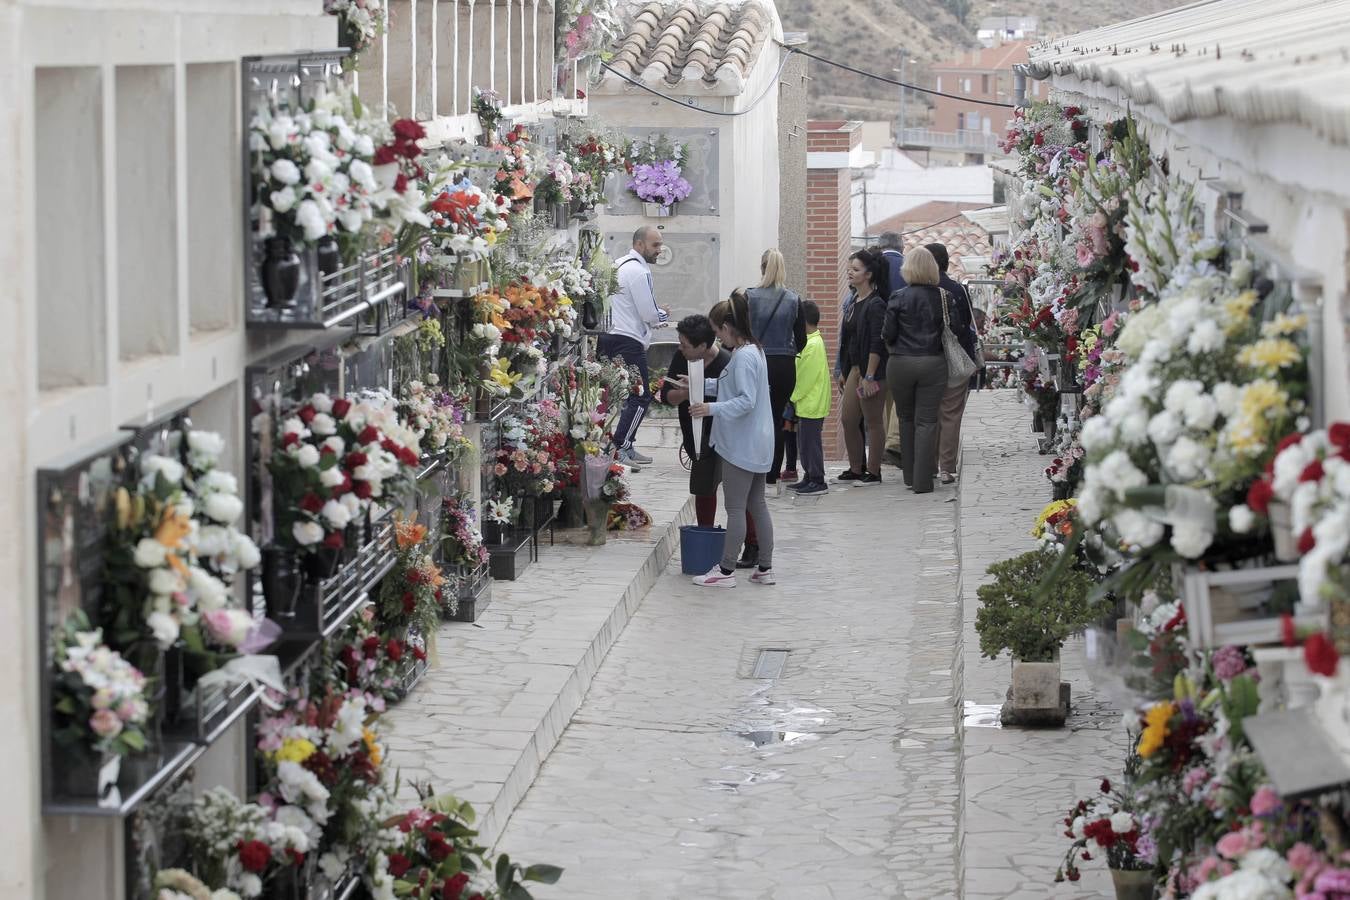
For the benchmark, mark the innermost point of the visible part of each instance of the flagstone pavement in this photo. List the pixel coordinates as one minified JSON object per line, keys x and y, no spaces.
{"x":821,"y":737}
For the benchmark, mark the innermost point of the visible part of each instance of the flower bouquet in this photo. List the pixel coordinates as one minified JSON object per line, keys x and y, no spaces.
{"x":512,"y":178}
{"x":1108,"y":823}
{"x":359,"y":23}
{"x":409,"y":593}
{"x":499,"y":514}
{"x":436,"y":857}
{"x":656,"y":167}
{"x":487,"y":106}
{"x":241,"y":846}
{"x":99,"y":707}
{"x":373,"y":663}
{"x":179,"y":884}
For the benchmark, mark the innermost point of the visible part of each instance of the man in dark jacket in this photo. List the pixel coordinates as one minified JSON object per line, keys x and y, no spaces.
{"x":954,"y":400}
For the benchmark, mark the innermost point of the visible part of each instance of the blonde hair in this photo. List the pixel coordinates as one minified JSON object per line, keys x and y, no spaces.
{"x":774,"y":268}
{"x":919,"y":267}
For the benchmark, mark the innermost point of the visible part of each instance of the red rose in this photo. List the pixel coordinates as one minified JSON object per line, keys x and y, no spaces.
{"x":362,"y":489}
{"x":1287,"y":634}
{"x":394,"y":649}
{"x":1259,"y":496}
{"x":407,"y":457}
{"x":1320,"y":655}
{"x":385,"y":155}
{"x":1287,"y":441}
{"x":355,"y":459}
{"x":335,"y":540}
{"x":327,"y":450}
{"x":409,"y":602}
{"x":1313,"y":471}
{"x":254,"y":856}
{"x":401,"y":183}
{"x":307,"y":413}
{"x":297,"y":858}
{"x":311,"y":502}
{"x":409,"y":130}
{"x":419,"y":654}
{"x":1339,"y":434}
{"x":1038,"y":139}
{"x":1106,"y":786}
{"x":341,"y":406}
{"x":438,"y":848}
{"x":289,"y":439}
{"x":454,"y":886}
{"x":370,"y":646}
{"x":399,"y":865}
{"x":1306,"y":541}
{"x":369,"y":435}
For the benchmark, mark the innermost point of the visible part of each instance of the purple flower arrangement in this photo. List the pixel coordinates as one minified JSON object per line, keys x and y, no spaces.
{"x":659,"y":183}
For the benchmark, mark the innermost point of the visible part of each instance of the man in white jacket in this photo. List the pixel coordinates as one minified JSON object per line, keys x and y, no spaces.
{"x":634,"y":314}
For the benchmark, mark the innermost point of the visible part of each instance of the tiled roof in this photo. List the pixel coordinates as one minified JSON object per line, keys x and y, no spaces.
{"x":1254,"y":62}
{"x":689,"y":40}
{"x":960,"y":236}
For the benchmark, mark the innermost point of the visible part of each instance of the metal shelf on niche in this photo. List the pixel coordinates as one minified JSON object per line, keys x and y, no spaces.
{"x":376,"y":283}
{"x":325,"y":607}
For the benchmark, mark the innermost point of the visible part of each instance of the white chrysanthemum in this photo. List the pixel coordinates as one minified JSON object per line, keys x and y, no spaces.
{"x":1187,"y":459}
{"x":1241,"y":518}
{"x":1190,"y":540}
{"x":1137,"y":529}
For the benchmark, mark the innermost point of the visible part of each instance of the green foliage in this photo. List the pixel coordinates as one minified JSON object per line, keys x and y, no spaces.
{"x":1018,"y":614}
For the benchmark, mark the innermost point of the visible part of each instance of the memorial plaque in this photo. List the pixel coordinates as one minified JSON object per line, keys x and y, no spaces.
{"x":1297,"y":752}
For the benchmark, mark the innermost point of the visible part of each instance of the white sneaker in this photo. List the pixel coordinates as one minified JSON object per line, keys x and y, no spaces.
{"x":762,"y":577}
{"x":715,"y":578}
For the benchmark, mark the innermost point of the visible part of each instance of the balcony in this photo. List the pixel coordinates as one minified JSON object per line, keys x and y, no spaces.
{"x":966,"y":141}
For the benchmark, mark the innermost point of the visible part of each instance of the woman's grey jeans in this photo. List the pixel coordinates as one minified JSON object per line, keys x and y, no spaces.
{"x":744,"y":492}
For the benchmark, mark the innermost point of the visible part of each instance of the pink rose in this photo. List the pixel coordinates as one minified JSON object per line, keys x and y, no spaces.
{"x":1265,"y":801}
{"x":105,"y":723}
{"x":1232,"y":845}
{"x":1302,"y":857}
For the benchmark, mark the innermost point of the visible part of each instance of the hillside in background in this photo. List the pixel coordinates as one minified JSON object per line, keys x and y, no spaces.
{"x":870,"y":34}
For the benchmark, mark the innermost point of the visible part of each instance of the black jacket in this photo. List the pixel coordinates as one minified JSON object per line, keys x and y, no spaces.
{"x":680,"y":366}
{"x":913,"y":325}
{"x":861,"y":335}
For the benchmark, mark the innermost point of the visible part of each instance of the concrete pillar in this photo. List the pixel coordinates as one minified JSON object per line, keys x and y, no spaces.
{"x":832,"y":149}
{"x":792,"y":105}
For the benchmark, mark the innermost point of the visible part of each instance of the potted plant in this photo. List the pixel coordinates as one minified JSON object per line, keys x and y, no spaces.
{"x":359,"y":23}
{"x":1018,"y":615}
{"x":656,"y":167}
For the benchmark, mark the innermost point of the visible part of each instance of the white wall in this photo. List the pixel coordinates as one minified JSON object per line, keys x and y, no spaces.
{"x":141,"y":177}
{"x":1291,"y":178}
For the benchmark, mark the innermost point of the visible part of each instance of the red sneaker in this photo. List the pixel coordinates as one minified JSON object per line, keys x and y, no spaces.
{"x":787,"y":475}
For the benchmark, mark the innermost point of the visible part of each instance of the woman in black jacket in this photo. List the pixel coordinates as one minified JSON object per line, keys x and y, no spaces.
{"x":916,"y":370}
{"x":862,"y":367}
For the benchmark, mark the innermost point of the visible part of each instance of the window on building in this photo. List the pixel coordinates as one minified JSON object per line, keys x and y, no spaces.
{"x":960,"y":121}
{"x":984,"y":84}
{"x":965,"y":85}
{"x":939,"y":82}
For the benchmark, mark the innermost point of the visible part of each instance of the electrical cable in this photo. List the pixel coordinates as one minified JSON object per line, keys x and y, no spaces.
{"x":712,"y":112}
{"x":903,"y":84}
{"x":928,"y":226}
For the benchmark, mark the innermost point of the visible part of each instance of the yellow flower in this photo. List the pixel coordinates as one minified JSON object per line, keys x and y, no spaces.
{"x":122,"y":499}
{"x":295,"y":750}
{"x":1239,"y":310}
{"x":501,"y":373}
{"x":1051,"y":509}
{"x":1155,"y":728}
{"x":1284,"y":324}
{"x":491,"y":237}
{"x":1270,"y":354}
{"x":1260,"y":397}
{"x":372,"y":748}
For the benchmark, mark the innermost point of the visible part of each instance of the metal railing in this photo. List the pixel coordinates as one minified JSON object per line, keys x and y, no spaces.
{"x":970,"y":141}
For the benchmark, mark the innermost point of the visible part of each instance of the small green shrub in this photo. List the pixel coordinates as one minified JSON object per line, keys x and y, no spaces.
{"x":1016,"y":615}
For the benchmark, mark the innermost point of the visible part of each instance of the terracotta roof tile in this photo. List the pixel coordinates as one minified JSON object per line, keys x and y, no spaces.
{"x":692,"y":40}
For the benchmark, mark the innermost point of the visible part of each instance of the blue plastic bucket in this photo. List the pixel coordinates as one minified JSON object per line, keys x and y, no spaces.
{"x":700,"y":548}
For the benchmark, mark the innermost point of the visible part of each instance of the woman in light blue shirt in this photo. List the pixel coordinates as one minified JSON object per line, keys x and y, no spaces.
{"x":742,"y":435}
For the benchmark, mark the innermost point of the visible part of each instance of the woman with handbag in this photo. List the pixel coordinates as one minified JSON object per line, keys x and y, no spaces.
{"x":929,"y":342}
{"x":776,"y":317}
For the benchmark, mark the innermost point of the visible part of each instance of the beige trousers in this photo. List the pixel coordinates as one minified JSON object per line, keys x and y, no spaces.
{"x":949,"y":426}
{"x":857,"y":410}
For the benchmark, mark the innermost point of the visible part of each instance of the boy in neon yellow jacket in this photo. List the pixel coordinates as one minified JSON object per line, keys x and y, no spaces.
{"x":811,"y":400}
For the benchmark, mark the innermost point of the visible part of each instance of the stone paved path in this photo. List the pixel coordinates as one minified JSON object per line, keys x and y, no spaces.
{"x":683,"y":775}
{"x":1018,"y":783}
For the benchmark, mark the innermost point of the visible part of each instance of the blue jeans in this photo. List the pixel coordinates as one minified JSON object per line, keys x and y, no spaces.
{"x":632,"y":353}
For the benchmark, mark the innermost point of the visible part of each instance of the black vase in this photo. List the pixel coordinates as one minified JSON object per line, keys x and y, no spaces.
{"x":329,"y":256}
{"x":280,"y":273}
{"x":322,"y":562}
{"x":492,"y":533}
{"x":1062,"y":490}
{"x":355,"y":538}
{"x":281,"y":582}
